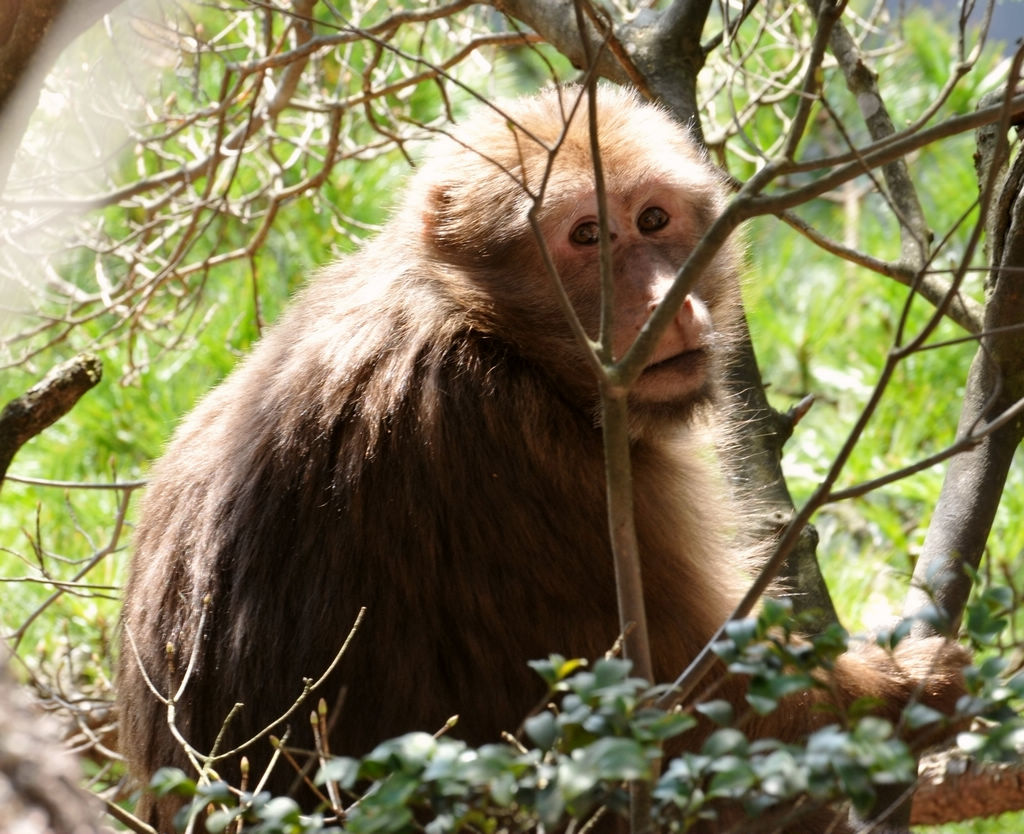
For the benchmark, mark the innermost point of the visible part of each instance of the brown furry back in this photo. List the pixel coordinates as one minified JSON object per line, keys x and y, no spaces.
{"x":384,"y":455}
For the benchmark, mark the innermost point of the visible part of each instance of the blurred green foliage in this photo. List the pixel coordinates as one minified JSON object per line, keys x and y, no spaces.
{"x":820,"y":326}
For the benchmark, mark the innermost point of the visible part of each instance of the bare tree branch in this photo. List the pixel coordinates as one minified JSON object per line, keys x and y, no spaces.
{"x":862,"y":83}
{"x":952,"y":787}
{"x":45,"y":403}
{"x":975,"y":480}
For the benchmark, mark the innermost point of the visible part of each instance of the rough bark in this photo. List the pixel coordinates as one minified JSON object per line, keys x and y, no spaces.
{"x":45,"y":403}
{"x":975,"y":479}
{"x":38,"y":778}
{"x":32,"y":35}
{"x":23,"y":25}
{"x":953,"y":787}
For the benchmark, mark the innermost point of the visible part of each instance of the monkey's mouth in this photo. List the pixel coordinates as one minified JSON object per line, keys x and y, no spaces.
{"x":677,"y":379}
{"x":687,"y":363}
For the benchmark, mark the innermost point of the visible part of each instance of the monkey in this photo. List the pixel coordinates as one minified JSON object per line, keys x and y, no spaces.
{"x":419,"y":436}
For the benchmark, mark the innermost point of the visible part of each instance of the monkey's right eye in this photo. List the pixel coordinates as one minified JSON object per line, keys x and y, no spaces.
{"x":587,"y":233}
{"x":652,"y":219}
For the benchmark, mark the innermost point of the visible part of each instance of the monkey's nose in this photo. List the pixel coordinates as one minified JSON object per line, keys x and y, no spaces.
{"x":685,"y":309}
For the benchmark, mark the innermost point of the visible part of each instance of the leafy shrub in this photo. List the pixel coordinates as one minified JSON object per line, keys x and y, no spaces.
{"x":604,"y":730}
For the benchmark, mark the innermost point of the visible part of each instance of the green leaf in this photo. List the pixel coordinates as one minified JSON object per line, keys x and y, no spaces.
{"x":984,"y":621}
{"x":733,"y":777}
{"x":892,"y":638}
{"x":873,"y":729}
{"x":856,"y":785}
{"x":542,"y":729}
{"x":1016,"y":684}
{"x":832,"y":642}
{"x":410,"y":753}
{"x":781,"y":775}
{"x":172,"y":780}
{"x":725,"y":741}
{"x":612,"y":670}
{"x":221,"y":818}
{"x":992,"y":667}
{"x":279,"y":811}
{"x":741,"y":632}
{"x":919,"y":715}
{"x":555,"y":668}
{"x":342,"y":770}
{"x":658,"y":725}
{"x":606,"y":759}
{"x":762,"y":704}
{"x":779,"y":686}
{"x":775,"y":612}
{"x":718,"y":711}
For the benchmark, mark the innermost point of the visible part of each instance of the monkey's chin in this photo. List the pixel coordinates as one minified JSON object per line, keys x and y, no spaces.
{"x":670,"y":394}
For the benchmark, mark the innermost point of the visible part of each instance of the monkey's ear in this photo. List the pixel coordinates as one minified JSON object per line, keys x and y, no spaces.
{"x":469,"y":226}
{"x":440,"y":223}
{"x":437,"y":208}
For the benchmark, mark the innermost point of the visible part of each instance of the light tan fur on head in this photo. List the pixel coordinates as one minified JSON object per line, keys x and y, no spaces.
{"x":507,"y":155}
{"x":471,"y":202}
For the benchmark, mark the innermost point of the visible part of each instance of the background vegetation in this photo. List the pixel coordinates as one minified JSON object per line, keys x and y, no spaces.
{"x":171,"y":299}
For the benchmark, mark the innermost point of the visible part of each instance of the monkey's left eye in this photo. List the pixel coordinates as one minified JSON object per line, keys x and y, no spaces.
{"x":651,"y":219}
{"x":587,"y":233}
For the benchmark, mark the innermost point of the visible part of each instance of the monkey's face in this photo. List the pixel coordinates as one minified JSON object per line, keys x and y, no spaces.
{"x":478,"y":197}
{"x":652,"y":228}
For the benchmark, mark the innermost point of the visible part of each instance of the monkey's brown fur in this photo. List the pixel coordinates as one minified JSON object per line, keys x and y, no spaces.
{"x":417,"y":435}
